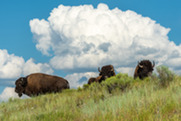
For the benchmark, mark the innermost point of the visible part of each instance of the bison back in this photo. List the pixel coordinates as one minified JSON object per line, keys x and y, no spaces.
{"x":39,"y":82}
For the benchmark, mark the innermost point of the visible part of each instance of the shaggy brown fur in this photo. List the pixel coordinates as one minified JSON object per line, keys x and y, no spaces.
{"x":38,"y":83}
{"x":144,"y":69}
{"x":92,"y":79}
{"x":105,"y":72}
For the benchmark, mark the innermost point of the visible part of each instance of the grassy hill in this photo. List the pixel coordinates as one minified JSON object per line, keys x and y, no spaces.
{"x":119,"y":98}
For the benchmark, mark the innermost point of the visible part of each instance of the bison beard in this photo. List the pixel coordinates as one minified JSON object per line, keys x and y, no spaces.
{"x":144,"y":69}
{"x":38,"y":83}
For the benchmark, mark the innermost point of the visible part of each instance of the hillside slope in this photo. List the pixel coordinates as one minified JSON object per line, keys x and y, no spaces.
{"x":118,"y":98}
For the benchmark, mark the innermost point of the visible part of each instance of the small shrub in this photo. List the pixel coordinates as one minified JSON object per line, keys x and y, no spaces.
{"x":165,"y":76}
{"x":119,"y":82}
{"x":79,"y":89}
{"x":154,"y":77}
{"x":85,"y":86}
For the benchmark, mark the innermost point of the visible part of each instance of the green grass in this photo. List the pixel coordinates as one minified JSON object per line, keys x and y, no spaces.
{"x":119,"y":98}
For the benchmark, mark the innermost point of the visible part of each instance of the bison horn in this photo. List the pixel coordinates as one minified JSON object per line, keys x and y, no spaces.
{"x":141,"y":66}
{"x":99,"y":69}
{"x":153,"y":64}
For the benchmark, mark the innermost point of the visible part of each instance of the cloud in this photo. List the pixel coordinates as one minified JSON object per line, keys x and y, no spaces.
{"x":83,"y":37}
{"x":78,"y":79}
{"x":10,"y":93}
{"x":127,"y":70}
{"x":31,"y":67}
{"x":12,"y":66}
{"x":42,"y":30}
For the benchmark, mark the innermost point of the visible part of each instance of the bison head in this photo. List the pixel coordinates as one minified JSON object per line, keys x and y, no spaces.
{"x":144,"y":69}
{"x":106,"y":71}
{"x":20,"y":85}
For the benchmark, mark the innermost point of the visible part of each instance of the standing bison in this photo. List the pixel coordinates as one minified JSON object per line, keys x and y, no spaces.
{"x":38,"y":83}
{"x":104,"y":73}
{"x":144,"y":69}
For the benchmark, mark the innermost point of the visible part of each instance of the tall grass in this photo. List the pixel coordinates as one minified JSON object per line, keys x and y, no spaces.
{"x":116,"y":99}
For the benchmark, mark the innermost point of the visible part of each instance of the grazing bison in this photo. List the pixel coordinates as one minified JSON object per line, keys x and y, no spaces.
{"x":144,"y":69}
{"x":105,"y":72}
{"x":38,"y":83}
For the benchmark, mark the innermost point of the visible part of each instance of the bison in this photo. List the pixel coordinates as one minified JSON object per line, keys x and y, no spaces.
{"x":104,"y":73}
{"x":144,"y":69}
{"x":93,"y":79}
{"x":39,"y":83}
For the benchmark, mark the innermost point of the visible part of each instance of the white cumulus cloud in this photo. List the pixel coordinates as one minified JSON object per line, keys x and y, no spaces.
{"x":31,"y":67}
{"x":12,"y":66}
{"x":84,"y":37}
{"x":8,"y":93}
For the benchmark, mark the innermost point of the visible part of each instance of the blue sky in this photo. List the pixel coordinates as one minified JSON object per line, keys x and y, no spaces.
{"x":17,"y":36}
